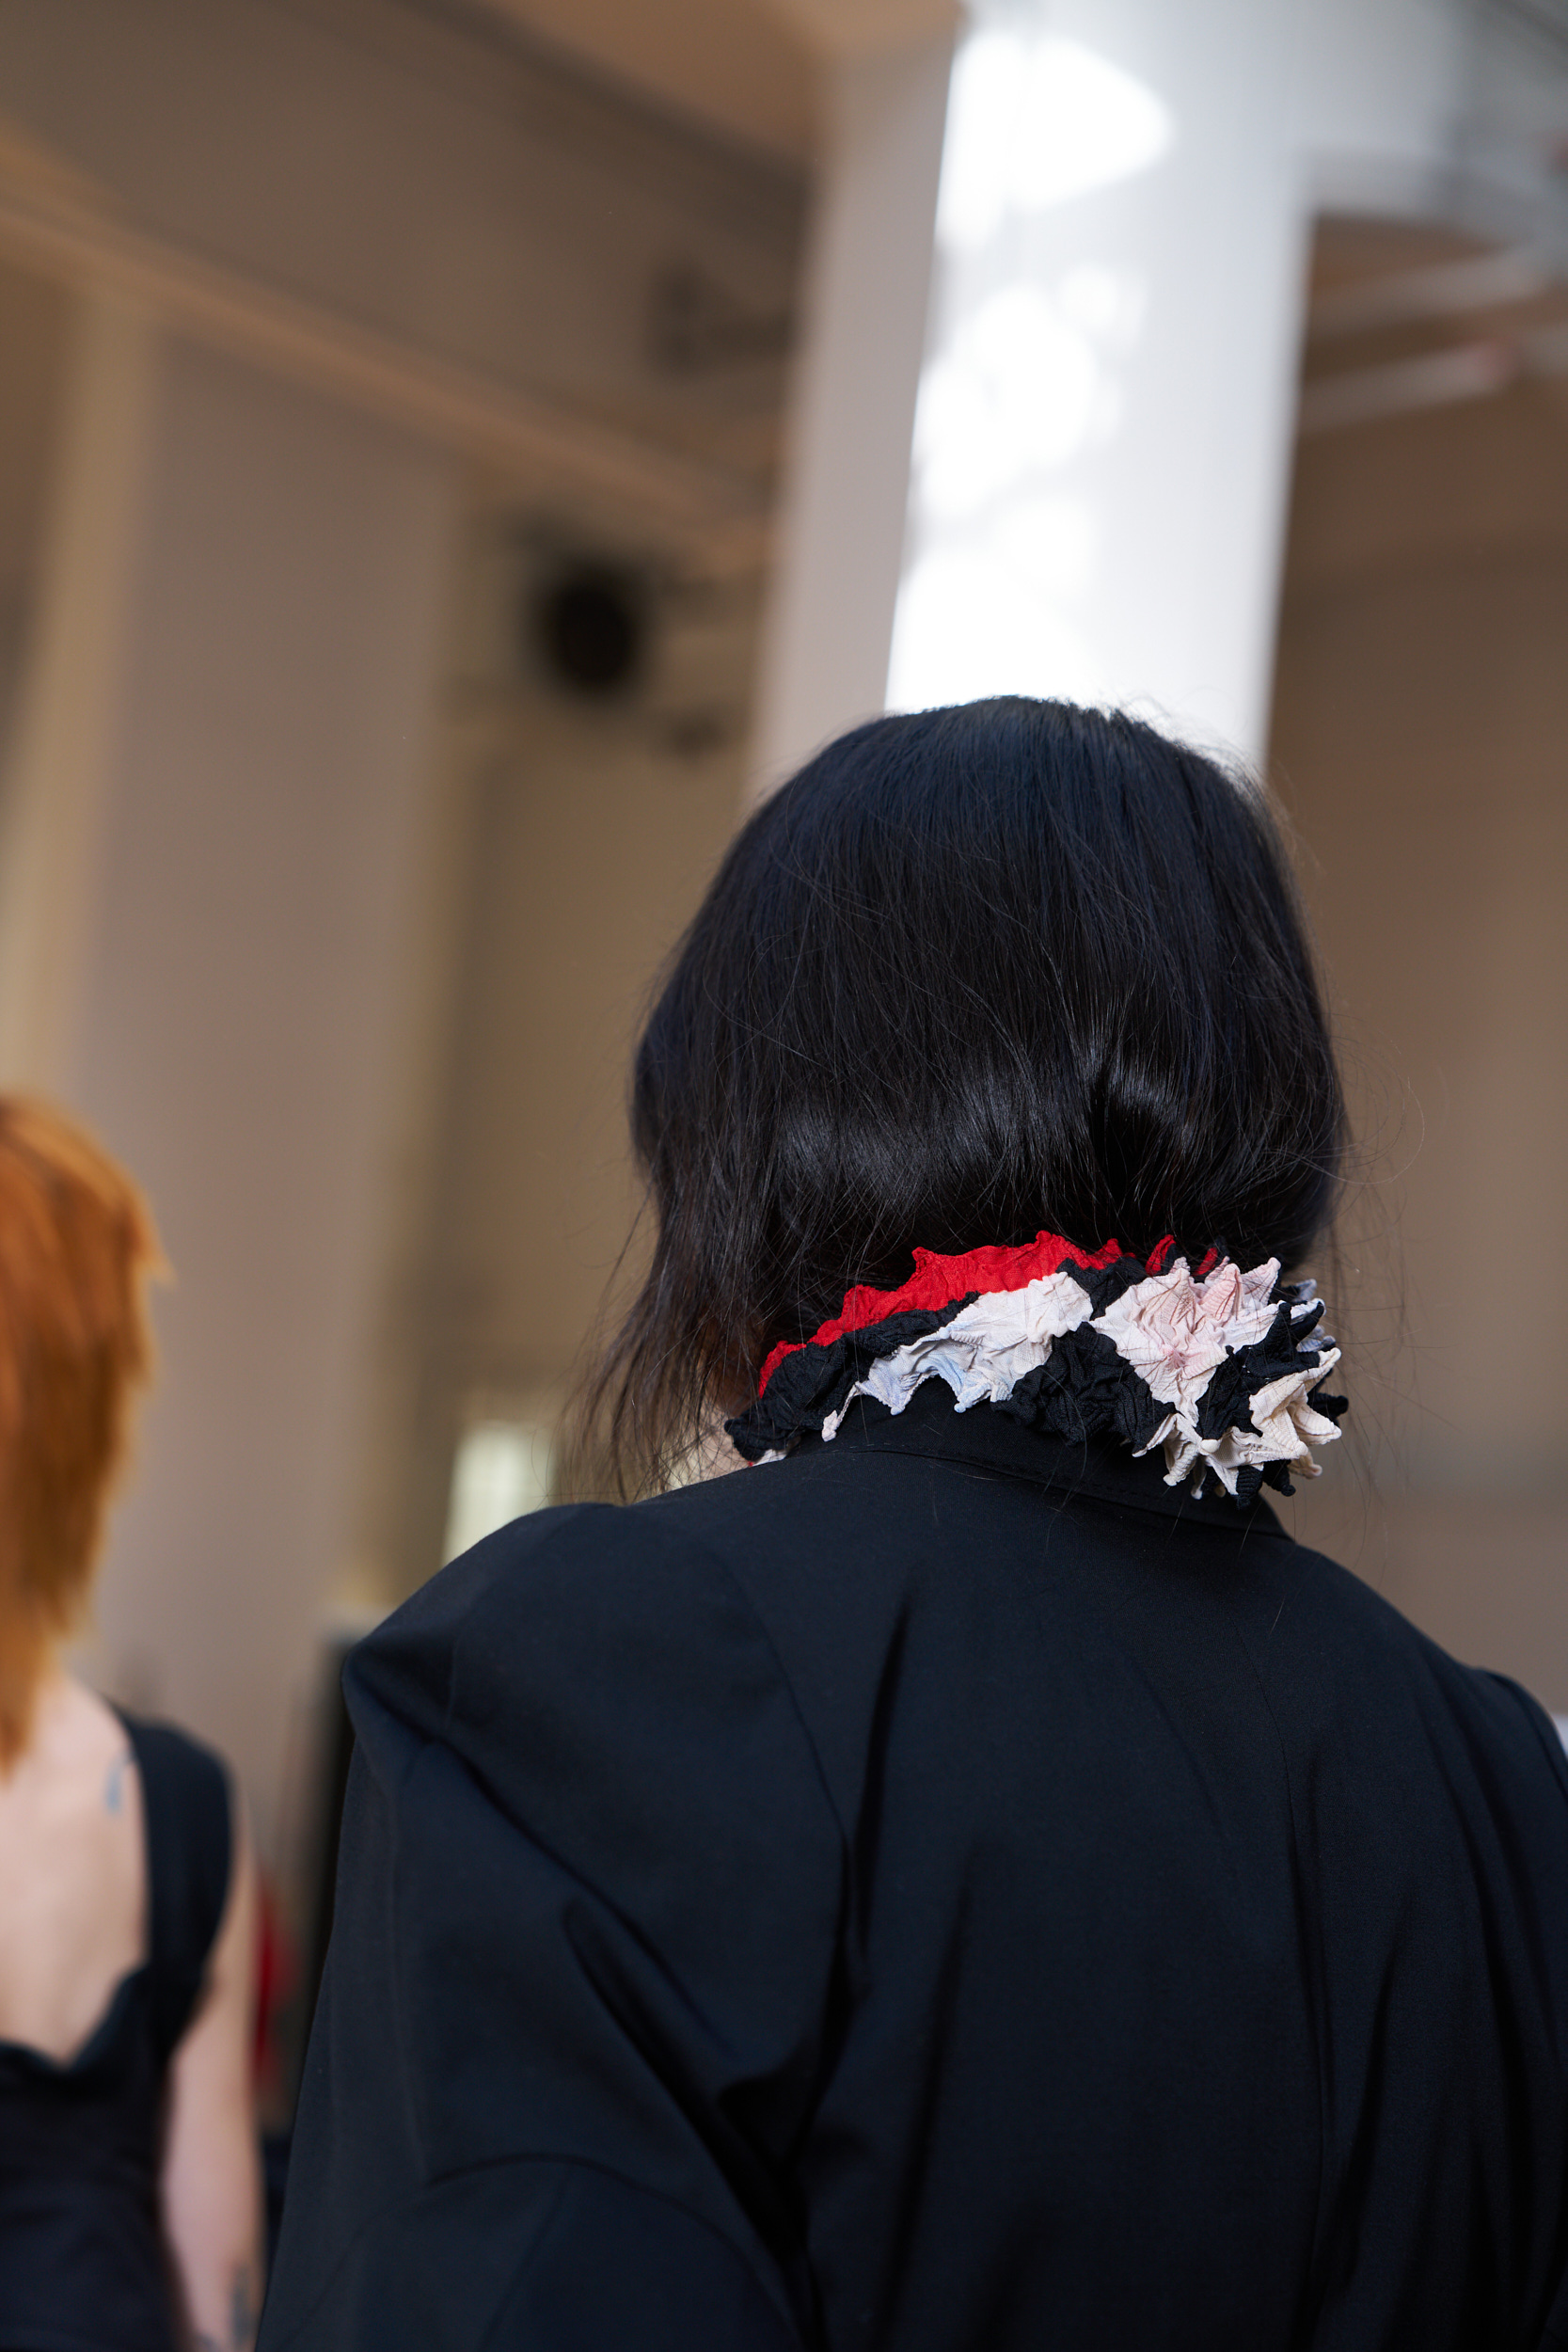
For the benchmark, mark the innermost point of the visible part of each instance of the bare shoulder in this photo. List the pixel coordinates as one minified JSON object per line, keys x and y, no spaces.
{"x":78,"y":1754}
{"x":72,"y":1875}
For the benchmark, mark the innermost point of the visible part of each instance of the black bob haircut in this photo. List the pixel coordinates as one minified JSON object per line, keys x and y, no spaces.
{"x":970,"y":972}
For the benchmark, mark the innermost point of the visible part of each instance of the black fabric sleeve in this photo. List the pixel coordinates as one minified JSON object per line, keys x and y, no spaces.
{"x":579,"y":1994}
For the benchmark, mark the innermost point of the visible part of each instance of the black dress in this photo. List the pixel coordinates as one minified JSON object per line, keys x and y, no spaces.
{"x":944,"y":1892}
{"x":82,"y":2261}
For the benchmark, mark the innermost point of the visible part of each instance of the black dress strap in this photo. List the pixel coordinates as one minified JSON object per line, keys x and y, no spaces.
{"x":187,"y":1810}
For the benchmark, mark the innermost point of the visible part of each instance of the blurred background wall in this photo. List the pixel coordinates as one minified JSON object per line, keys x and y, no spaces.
{"x":452,"y":456}
{"x":1421,"y":737}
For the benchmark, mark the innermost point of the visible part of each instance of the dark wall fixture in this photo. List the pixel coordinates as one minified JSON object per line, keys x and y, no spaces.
{"x":696,"y":325}
{"x":590,"y":625}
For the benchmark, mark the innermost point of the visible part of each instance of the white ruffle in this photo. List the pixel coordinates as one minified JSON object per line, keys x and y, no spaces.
{"x":1173,"y":1329}
{"x":1286,"y":1430}
{"x":982,"y":1354}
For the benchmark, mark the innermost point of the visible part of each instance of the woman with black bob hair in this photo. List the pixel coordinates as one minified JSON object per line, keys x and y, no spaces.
{"x":973,"y":973}
{"x":969,"y":1883}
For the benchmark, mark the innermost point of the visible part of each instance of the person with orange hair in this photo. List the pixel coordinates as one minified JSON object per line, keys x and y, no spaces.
{"x":129,"y":2202}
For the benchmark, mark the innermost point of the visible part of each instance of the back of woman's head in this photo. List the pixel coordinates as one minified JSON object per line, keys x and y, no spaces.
{"x":971,"y":973}
{"x":76,"y":1247}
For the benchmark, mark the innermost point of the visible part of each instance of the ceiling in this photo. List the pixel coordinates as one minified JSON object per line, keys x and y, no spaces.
{"x":1405,"y":316}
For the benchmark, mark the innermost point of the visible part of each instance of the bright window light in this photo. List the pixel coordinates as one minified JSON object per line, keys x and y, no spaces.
{"x":1030,"y":124}
{"x":502,"y":1469}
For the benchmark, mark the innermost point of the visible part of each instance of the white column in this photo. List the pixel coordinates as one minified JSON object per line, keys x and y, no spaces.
{"x":842,"y":532}
{"x":1101,"y":450}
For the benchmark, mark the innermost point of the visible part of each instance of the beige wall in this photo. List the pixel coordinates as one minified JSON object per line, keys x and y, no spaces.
{"x":494,"y":207}
{"x":366,"y":274}
{"x":589,"y":832}
{"x":1420,"y":736}
{"x":243,"y":1010}
{"x":34,"y":336}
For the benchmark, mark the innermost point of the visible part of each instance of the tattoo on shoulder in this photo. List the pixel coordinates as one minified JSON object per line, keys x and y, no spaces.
{"x":114,"y":1797}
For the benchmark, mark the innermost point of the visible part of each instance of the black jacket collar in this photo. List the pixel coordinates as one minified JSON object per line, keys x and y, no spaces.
{"x":993,"y":1441}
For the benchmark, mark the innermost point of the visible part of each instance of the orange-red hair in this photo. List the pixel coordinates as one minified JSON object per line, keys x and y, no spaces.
{"x":77,"y":1244}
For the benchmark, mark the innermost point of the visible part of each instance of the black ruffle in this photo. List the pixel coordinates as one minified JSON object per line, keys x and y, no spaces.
{"x":1086,"y":1390}
{"x":814,"y":1381}
{"x":1226,"y":1402}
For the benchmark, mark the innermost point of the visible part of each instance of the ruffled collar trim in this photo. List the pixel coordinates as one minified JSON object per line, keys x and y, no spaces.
{"x":1219,"y":1368}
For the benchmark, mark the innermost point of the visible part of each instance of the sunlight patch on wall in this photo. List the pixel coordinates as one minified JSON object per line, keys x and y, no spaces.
{"x":1025,"y":378}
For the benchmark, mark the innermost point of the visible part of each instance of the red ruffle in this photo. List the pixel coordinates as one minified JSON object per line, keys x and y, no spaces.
{"x":936,"y":1281}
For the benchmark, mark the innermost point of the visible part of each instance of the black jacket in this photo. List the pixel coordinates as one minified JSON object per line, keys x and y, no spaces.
{"x":947,"y":1893}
